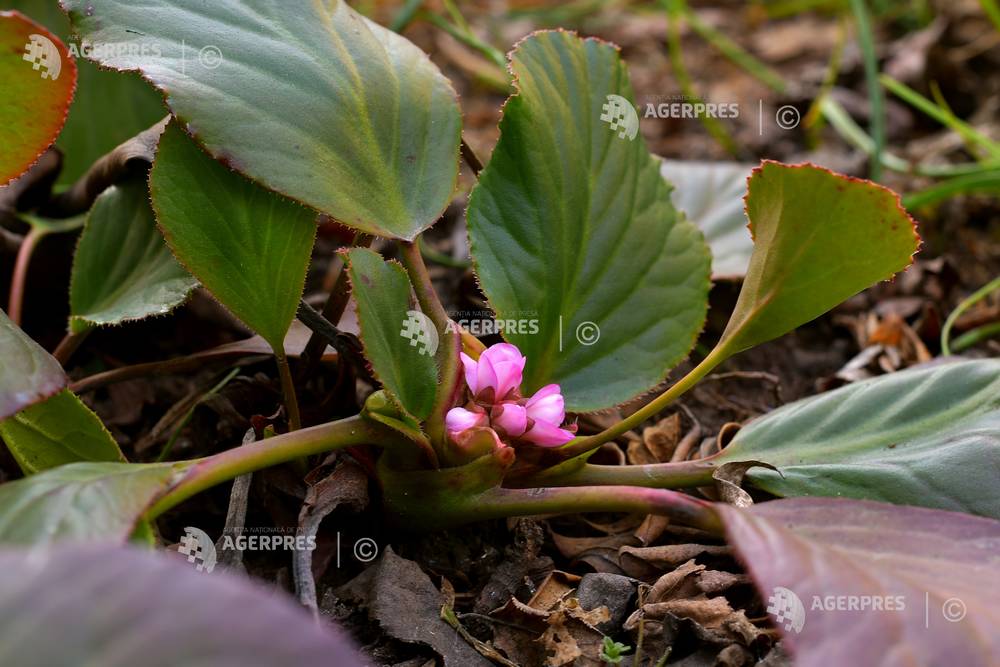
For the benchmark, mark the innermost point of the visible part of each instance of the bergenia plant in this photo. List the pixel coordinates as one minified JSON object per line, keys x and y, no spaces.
{"x":314,"y":113}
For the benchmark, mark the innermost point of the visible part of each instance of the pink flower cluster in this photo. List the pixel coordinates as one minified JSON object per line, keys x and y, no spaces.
{"x":497,"y":405}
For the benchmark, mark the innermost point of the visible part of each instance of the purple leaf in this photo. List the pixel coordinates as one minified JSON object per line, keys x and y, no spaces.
{"x":114,"y":606}
{"x":863,"y":583}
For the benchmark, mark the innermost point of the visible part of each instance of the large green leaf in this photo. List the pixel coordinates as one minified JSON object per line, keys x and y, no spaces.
{"x":248,"y":246}
{"x":108,"y":108}
{"x":853,"y":582}
{"x":571,"y":225}
{"x":57,"y":431}
{"x":122,"y":269}
{"x":27,"y":372}
{"x":819,"y":238}
{"x":311,"y":99}
{"x":39,"y":78}
{"x":399,"y":342}
{"x":121,"y":607}
{"x":928,"y":436}
{"x":710,"y":194}
{"x":81,"y":502}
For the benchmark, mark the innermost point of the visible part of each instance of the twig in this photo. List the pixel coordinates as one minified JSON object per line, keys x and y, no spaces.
{"x":471,"y":159}
{"x":236,"y":515}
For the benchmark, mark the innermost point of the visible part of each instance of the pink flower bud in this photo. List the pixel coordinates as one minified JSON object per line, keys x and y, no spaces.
{"x":510,"y":417}
{"x":547,"y":405}
{"x":460,"y":419}
{"x":497,"y":374}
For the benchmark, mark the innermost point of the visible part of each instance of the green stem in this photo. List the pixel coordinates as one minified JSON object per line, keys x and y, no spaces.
{"x":498,"y":503}
{"x":209,"y":471}
{"x":853,"y":134}
{"x":683,"y":474}
{"x":288,"y":389}
{"x":447,"y":355}
{"x":967,"y":303}
{"x":876,"y":101}
{"x":69,"y":345}
{"x":589,"y":443}
{"x":987,"y":181}
{"x":943,"y":115}
{"x":977,"y":335}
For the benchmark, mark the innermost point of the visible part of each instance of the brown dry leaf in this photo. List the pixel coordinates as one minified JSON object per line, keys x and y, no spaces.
{"x":672,"y":555}
{"x":346,"y":485}
{"x":712,"y":582}
{"x":407,"y":605}
{"x":576,"y":547}
{"x":553,"y":590}
{"x":677,"y":584}
{"x":658,"y":442}
{"x":653,"y":526}
{"x":729,"y":479}
{"x":572,"y":639}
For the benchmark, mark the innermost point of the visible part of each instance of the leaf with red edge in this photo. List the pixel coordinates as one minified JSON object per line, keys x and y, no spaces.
{"x":819,"y":239}
{"x":38,"y":77}
{"x":934,"y":574}
{"x":28,"y":374}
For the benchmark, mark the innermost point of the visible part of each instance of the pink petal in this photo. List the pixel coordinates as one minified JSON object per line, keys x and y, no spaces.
{"x":510,"y":417}
{"x":506,"y":365}
{"x":547,"y":405}
{"x":470,"y":365}
{"x":547,"y":435}
{"x":460,"y":419}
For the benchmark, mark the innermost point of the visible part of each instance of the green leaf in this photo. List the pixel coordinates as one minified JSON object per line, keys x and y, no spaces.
{"x":57,"y":431}
{"x":36,"y":92}
{"x":117,"y":606}
{"x":81,"y":502}
{"x":310,"y":99}
{"x":571,"y":225}
{"x":854,"y":582}
{"x":403,"y":364}
{"x":124,"y":104}
{"x":249,"y":247}
{"x":710,"y":194}
{"x":819,"y":238}
{"x":928,"y":436}
{"x":122,"y":269}
{"x":28,"y":373}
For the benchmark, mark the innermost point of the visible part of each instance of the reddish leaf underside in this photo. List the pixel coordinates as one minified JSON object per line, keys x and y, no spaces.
{"x":878,"y":584}
{"x":38,"y":78}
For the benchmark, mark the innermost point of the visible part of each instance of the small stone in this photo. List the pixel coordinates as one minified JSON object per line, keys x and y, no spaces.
{"x":613,"y":591}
